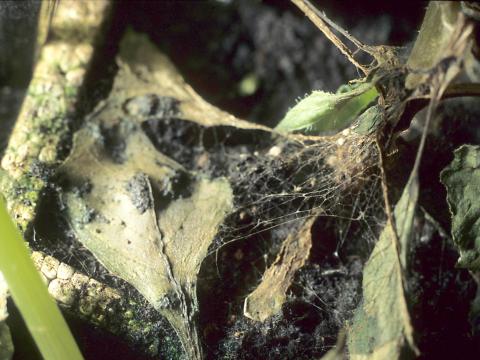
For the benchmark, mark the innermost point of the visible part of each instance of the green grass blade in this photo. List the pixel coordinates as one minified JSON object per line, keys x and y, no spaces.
{"x":41,"y":314}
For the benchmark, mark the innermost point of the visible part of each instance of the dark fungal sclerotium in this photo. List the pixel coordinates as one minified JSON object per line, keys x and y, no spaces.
{"x":138,"y":190}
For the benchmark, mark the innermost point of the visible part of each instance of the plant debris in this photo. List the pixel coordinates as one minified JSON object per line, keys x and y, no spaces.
{"x":267,"y":299}
{"x":382,"y":326}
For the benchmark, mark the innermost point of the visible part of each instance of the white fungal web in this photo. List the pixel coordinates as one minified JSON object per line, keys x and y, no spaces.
{"x":333,"y":177}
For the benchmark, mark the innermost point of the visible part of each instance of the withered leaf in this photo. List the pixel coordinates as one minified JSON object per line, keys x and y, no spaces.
{"x":141,"y":60}
{"x":267,"y":299}
{"x":141,"y":214}
{"x":134,"y":222}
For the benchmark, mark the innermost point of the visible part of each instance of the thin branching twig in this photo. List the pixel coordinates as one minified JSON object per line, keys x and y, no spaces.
{"x":314,"y":15}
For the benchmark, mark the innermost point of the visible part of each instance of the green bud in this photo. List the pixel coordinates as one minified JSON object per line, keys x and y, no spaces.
{"x":324,"y":113}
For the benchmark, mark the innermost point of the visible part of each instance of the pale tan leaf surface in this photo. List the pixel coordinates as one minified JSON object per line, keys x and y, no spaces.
{"x":267,"y":299}
{"x":118,"y":219}
{"x":141,"y":59}
{"x":110,"y":220}
{"x":141,"y":214}
{"x":189,"y":221}
{"x":189,"y":226}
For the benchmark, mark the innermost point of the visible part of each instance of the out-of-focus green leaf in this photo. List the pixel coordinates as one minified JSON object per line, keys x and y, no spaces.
{"x":381,"y":327}
{"x":462,"y":180}
{"x":325,"y":113}
{"x":369,"y":121}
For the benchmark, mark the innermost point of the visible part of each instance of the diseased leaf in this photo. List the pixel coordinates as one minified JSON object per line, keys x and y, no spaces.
{"x":267,"y":299}
{"x":148,"y":70}
{"x":326,"y":113}
{"x":111,"y":206}
{"x":381,"y":327}
{"x":462,"y":180}
{"x":142,"y":215}
{"x":145,"y":219}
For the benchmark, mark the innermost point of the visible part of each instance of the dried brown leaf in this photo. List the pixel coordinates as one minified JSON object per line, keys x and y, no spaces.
{"x":267,"y":299}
